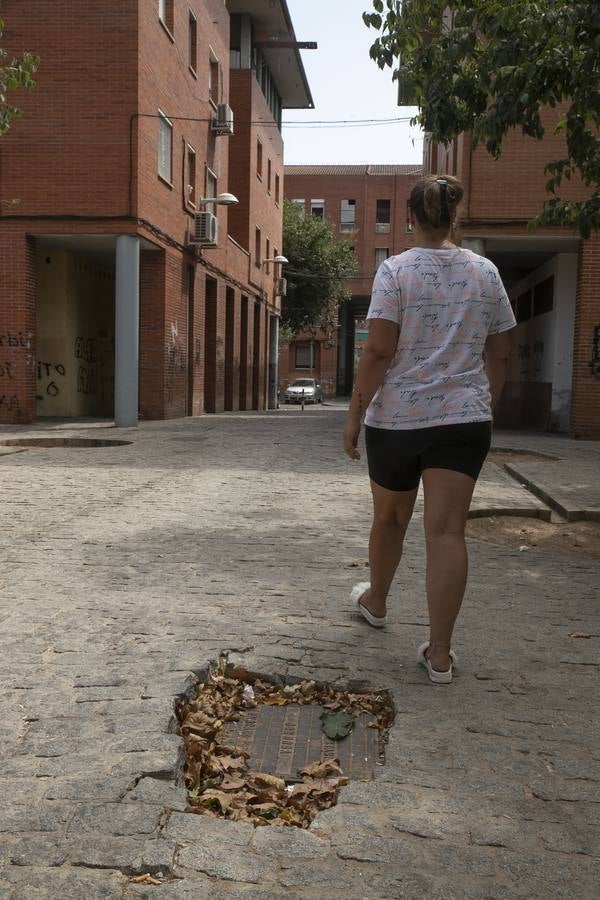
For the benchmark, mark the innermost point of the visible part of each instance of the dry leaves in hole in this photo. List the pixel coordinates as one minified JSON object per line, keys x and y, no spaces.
{"x":146,"y":879}
{"x":218,"y":777}
{"x":359,"y":564}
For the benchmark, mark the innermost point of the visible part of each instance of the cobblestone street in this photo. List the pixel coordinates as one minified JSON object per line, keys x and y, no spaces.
{"x":126,"y":569}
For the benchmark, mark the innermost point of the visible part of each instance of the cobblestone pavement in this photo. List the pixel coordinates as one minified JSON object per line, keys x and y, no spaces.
{"x":126,"y":569}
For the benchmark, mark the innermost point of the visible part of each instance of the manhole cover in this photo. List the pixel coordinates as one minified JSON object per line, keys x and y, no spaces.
{"x":283,"y":739}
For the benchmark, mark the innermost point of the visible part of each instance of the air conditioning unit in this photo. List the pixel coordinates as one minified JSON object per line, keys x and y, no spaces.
{"x":281,"y":290}
{"x":382,"y":227}
{"x":223,"y":119}
{"x":205,"y":230}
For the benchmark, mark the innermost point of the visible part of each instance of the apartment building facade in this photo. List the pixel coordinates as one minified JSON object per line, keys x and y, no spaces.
{"x":551,"y":275}
{"x":123,"y":290}
{"x":367,"y":204}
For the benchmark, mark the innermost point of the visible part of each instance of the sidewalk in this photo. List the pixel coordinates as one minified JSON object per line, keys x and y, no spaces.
{"x":127,"y":568}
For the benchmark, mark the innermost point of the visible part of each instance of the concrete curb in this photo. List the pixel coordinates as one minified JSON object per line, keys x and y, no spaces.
{"x":571,"y":515}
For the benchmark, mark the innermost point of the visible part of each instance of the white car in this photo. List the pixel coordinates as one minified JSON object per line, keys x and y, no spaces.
{"x":303,"y":388}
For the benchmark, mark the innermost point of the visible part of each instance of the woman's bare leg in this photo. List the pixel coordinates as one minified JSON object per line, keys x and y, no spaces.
{"x":392,"y":511}
{"x":447,"y":500}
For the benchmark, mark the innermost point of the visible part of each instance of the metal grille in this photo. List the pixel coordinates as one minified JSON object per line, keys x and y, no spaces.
{"x":283,"y":739}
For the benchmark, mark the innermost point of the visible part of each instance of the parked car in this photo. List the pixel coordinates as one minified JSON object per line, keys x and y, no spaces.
{"x":303,"y":387}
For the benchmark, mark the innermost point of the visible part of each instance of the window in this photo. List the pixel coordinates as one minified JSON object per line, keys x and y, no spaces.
{"x":191,"y":176}
{"x":300,"y":205}
{"x":259,"y":159}
{"x":257,"y":260}
{"x":277,"y":189}
{"x":543,"y":296}
{"x":193,"y":51}
{"x":317,"y":209}
{"x":165,"y":13}
{"x":165,"y":148}
{"x":348,"y":215}
{"x":269,"y":175}
{"x":383,"y":217}
{"x":305,"y":355}
{"x":213,"y":77}
{"x":267,"y":255}
{"x":381,"y":254}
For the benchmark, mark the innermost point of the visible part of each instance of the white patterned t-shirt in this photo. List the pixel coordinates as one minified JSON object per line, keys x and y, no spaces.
{"x":445,"y":303}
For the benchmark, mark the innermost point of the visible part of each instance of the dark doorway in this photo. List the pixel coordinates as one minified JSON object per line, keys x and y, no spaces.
{"x":244,"y":354}
{"x":256,"y":358}
{"x":210,"y":346}
{"x":229,"y":346}
{"x":189,"y":285}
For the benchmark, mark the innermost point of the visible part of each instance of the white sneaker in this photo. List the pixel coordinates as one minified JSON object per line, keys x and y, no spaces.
{"x":357,"y":592}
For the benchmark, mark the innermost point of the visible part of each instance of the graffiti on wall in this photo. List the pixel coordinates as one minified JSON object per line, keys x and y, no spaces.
{"x":524,"y":354}
{"x":13,"y":344}
{"x":95,"y":365}
{"x":50,"y":379}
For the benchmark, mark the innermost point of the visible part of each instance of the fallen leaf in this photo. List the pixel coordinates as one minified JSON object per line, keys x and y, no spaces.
{"x":232,"y":784}
{"x":145,"y":879}
{"x":358,"y":563}
{"x":579,"y":634}
{"x":322,"y":769}
{"x":337,"y":725}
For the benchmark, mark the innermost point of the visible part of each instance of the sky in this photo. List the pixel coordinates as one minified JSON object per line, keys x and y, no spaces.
{"x":346,"y":84}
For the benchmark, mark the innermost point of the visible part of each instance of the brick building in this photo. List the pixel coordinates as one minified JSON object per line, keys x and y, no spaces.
{"x":551,"y":274}
{"x":369,"y":205}
{"x":120,"y":292}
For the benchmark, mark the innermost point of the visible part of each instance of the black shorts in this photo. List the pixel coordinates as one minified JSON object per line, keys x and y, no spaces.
{"x":397,"y":457}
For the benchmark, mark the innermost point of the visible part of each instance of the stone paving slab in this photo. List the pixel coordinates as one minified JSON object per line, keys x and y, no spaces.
{"x":574,"y":494}
{"x":496,"y":493}
{"x":126,"y":569}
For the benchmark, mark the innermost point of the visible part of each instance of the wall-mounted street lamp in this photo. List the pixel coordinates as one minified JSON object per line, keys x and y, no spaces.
{"x":221,"y":200}
{"x":276,"y":259}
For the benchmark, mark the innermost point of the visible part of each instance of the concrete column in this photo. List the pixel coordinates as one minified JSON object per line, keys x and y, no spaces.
{"x":273,"y":360}
{"x":476,"y":244}
{"x":127,"y":323}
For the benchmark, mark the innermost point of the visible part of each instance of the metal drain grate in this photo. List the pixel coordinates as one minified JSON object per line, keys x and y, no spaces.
{"x":283,"y":739}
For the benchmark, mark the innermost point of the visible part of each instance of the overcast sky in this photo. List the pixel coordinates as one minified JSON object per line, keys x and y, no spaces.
{"x":346,"y":84}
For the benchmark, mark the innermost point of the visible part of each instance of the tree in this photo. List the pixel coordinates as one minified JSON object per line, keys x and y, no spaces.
{"x":319,"y":265}
{"x":17,"y":74}
{"x":492,"y":65}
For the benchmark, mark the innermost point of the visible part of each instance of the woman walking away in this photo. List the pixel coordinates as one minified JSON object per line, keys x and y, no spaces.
{"x":428,"y":380}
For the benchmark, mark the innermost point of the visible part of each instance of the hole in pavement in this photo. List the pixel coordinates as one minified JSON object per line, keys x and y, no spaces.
{"x":63,"y":442}
{"x":532,"y":534}
{"x":265,"y":750}
{"x":501,"y":455}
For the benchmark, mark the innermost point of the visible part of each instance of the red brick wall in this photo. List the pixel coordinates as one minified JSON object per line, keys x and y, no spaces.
{"x":258,"y":206}
{"x":172,"y":87}
{"x":17,"y":328}
{"x":585,"y":402}
{"x":69,"y":153}
{"x":70,"y":156}
{"x":325,"y":369}
{"x":512,"y":187}
{"x":152,"y":334}
{"x":366,"y":190}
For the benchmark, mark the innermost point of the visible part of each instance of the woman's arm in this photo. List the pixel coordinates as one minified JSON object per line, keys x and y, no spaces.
{"x":497,"y":353}
{"x":374,"y":363}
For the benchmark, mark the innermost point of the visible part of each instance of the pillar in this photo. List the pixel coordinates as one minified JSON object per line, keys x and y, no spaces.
{"x":127,"y":323}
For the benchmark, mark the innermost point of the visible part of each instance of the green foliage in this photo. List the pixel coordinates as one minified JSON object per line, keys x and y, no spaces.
{"x":319,"y":266}
{"x":16,"y":74}
{"x":492,"y":65}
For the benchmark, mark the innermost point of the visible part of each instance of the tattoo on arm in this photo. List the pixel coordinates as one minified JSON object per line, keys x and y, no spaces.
{"x":360,"y":404}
